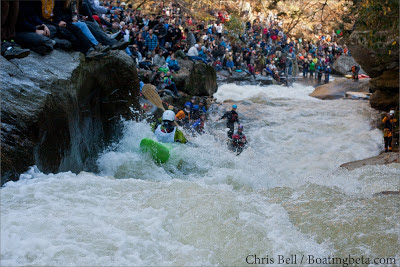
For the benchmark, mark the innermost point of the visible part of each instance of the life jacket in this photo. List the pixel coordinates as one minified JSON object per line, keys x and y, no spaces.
{"x":239,"y":139}
{"x":388,"y":128}
{"x":232,"y":116}
{"x":163,"y":136}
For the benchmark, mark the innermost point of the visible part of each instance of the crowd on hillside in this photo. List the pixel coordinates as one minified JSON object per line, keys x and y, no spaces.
{"x":156,"y":42}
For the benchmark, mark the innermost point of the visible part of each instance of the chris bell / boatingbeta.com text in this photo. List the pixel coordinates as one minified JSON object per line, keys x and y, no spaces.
{"x":318,"y":260}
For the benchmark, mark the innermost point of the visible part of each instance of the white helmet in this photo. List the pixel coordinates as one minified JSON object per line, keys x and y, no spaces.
{"x":168,"y":115}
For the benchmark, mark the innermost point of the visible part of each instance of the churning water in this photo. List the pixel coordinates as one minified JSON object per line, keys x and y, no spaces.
{"x":284,"y":195}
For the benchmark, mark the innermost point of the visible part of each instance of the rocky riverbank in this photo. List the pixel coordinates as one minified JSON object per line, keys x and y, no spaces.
{"x":58,"y":111}
{"x":381,"y":159}
{"x":338,"y":89}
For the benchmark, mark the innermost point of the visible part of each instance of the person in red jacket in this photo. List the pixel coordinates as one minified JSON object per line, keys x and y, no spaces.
{"x":239,"y":140}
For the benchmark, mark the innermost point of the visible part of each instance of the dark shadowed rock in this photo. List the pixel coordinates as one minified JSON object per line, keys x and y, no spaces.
{"x":195,"y":78}
{"x":59,"y":112}
{"x":381,"y":66}
{"x":384,"y":99}
{"x":243,"y":78}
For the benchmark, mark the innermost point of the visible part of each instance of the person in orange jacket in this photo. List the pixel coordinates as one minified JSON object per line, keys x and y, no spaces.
{"x":183,"y":116}
{"x":390,"y":123}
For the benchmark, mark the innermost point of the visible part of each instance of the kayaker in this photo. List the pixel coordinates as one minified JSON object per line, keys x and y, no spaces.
{"x":166,"y":131}
{"x":183,"y":116}
{"x":195,"y":113}
{"x":232,"y":117}
{"x":198,"y":125}
{"x":390,"y":123}
{"x":239,"y":140}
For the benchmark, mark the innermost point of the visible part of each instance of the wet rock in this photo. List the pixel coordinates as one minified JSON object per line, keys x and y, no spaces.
{"x":343,"y":64}
{"x":243,"y":77}
{"x":338,"y":88}
{"x":384,"y":99}
{"x":381,"y":66}
{"x":196,"y":78}
{"x":382,"y":159}
{"x":58,"y":111}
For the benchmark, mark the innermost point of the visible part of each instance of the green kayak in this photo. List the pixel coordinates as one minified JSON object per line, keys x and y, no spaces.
{"x":159,"y":152}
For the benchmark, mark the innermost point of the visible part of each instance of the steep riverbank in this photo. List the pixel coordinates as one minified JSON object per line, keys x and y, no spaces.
{"x":338,"y":89}
{"x":58,"y":111}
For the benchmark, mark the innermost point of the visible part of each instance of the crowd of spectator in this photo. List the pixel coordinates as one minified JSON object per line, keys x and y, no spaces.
{"x":155,"y":42}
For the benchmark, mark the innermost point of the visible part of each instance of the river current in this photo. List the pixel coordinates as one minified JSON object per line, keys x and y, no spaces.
{"x":284,"y":195}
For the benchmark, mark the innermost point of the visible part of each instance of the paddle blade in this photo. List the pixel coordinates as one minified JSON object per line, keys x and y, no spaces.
{"x":149,"y":91}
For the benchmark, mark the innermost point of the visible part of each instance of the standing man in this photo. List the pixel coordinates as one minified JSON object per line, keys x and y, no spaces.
{"x":232,"y":117}
{"x":151,"y":42}
{"x":390,"y":123}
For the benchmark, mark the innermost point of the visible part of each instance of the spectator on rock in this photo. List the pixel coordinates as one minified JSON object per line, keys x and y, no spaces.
{"x":173,"y":63}
{"x":159,"y":59}
{"x":151,"y":42}
{"x":9,"y":15}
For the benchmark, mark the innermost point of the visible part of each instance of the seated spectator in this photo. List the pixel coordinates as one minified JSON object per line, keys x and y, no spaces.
{"x":173,"y":63}
{"x":159,"y":59}
{"x":229,"y":64}
{"x":95,"y":29}
{"x":193,"y":53}
{"x":169,"y":84}
{"x":217,"y":65}
{"x":32,"y":32}
{"x":136,"y":55}
{"x":75,"y":31}
{"x":9,"y":15}
{"x":147,"y":62}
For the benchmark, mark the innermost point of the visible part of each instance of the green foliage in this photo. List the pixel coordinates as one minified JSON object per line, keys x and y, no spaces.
{"x":377,"y":15}
{"x":379,"y":19}
{"x":235,"y":26}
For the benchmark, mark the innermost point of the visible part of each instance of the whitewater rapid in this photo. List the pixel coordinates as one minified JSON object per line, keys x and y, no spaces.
{"x":284,"y":195}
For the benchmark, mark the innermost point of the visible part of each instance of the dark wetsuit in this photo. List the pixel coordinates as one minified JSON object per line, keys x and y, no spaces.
{"x":232,"y":117}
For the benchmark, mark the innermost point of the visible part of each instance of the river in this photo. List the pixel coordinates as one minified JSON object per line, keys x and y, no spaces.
{"x":284,"y":195}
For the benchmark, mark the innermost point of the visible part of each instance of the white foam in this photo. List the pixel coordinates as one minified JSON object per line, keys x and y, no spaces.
{"x":285,"y":194}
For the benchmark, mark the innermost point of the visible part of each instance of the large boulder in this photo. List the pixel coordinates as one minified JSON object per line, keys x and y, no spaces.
{"x":343,"y":64}
{"x":338,"y":88}
{"x":380,"y":62}
{"x":58,"y":111}
{"x":196,"y":78}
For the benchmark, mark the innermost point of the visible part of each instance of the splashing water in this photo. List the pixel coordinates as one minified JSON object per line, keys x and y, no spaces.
{"x":284,"y":195}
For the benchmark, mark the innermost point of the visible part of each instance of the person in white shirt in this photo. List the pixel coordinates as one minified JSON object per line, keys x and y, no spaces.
{"x":193,"y":53}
